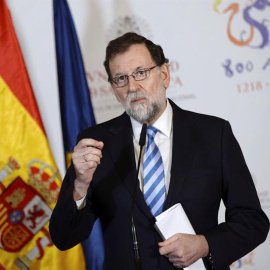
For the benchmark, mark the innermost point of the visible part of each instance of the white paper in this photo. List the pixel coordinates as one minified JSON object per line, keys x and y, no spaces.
{"x":174,"y":220}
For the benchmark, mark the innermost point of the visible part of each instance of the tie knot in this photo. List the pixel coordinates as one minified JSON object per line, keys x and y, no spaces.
{"x":151,"y":132}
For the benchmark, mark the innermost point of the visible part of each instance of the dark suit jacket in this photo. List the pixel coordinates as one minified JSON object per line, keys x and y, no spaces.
{"x":207,"y":167}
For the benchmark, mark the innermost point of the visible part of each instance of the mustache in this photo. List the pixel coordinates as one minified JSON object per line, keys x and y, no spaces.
{"x":136,"y":95}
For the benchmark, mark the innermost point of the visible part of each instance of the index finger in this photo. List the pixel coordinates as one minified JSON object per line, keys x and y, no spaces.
{"x":91,"y":143}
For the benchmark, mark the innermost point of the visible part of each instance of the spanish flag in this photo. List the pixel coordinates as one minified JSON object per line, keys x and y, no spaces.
{"x":29,"y":178}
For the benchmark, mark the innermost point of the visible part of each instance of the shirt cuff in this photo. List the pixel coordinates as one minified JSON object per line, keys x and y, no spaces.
{"x":81,"y":203}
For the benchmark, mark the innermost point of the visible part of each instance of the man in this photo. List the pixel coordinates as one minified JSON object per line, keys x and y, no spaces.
{"x":201,"y":164}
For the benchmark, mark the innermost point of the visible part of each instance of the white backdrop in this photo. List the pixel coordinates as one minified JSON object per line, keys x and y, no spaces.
{"x":211,"y":74}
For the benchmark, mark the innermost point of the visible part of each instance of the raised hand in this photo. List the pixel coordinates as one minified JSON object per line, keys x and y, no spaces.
{"x":86,"y":157}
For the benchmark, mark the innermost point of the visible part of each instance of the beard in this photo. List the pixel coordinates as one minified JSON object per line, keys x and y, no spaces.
{"x":144,"y":112}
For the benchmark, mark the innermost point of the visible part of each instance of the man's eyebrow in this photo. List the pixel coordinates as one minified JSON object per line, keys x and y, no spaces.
{"x":140,"y":67}
{"x":119,"y":74}
{"x":123,"y":74}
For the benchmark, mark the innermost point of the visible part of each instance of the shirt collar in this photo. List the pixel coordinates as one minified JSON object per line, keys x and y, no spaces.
{"x":163,"y":123}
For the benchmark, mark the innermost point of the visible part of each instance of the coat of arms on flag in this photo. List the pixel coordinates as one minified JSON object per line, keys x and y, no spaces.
{"x":23,"y":214}
{"x":24,"y":206}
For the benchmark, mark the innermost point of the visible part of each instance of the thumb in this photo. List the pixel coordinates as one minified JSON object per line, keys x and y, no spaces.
{"x":169,"y":240}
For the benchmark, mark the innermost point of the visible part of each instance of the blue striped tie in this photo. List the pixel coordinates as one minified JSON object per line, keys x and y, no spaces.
{"x":153,"y":174}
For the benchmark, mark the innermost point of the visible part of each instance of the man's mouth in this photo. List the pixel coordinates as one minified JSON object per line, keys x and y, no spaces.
{"x":137,"y":100}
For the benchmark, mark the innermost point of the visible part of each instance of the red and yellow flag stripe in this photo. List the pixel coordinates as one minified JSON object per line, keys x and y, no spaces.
{"x":25,"y":153}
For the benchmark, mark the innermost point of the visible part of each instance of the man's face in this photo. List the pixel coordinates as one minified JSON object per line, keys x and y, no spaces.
{"x":143,"y":100}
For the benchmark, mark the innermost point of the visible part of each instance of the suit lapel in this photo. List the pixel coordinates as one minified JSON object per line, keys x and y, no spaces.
{"x":182,"y":153}
{"x":121,"y":150}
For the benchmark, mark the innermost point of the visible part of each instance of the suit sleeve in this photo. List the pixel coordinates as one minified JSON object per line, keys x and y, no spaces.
{"x":246,"y":225}
{"x":68,"y":225}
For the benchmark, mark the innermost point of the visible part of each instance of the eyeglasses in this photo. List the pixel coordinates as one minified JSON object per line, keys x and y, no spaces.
{"x":138,"y":75}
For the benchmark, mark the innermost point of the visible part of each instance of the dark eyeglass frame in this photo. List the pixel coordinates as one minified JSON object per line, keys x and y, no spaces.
{"x":114,"y":82}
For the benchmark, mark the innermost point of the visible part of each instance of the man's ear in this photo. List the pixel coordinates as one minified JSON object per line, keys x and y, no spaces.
{"x":165,"y":72}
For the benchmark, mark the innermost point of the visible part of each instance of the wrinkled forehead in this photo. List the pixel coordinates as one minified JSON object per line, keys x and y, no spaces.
{"x":135,"y":57}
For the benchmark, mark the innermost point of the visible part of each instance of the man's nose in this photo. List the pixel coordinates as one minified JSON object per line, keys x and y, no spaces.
{"x":133,"y":85}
